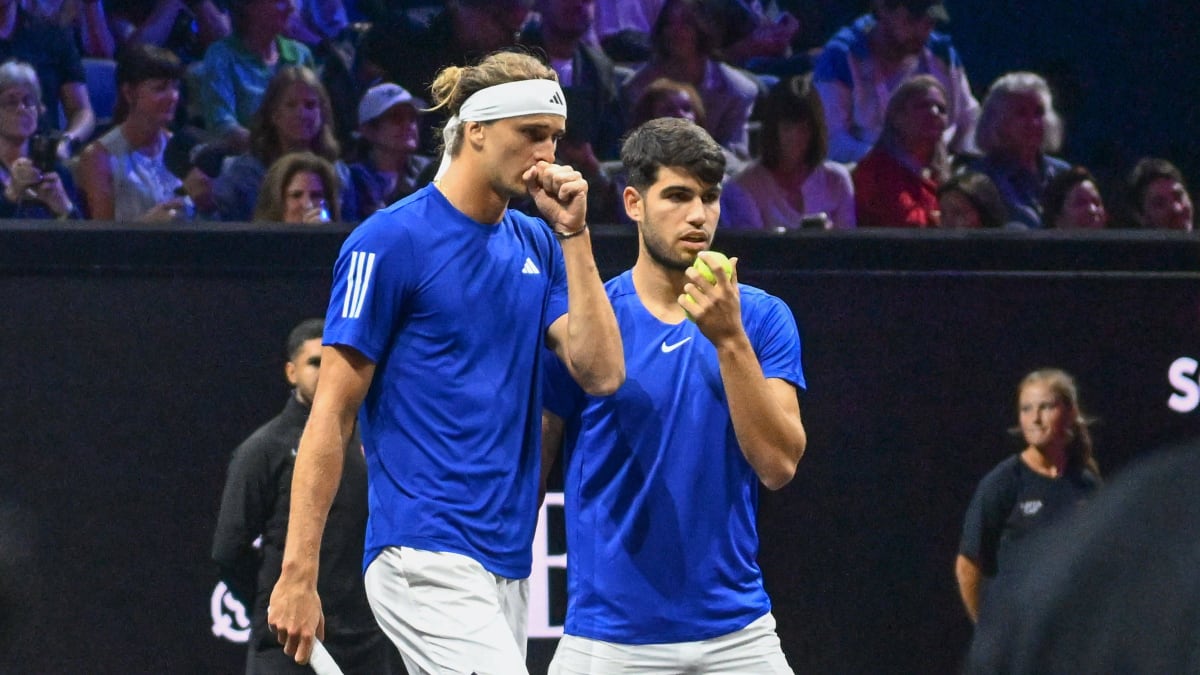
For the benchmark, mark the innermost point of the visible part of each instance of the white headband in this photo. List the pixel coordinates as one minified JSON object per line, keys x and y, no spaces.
{"x":511,"y":99}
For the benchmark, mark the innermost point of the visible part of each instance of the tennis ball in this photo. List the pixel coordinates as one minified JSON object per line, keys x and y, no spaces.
{"x":706,"y":271}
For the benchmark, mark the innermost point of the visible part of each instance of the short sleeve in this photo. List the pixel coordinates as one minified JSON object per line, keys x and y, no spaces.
{"x":71,"y":63}
{"x":777,"y":342}
{"x":561,"y":395}
{"x":370,"y":281}
{"x":984,"y":521}
{"x":556,"y":305}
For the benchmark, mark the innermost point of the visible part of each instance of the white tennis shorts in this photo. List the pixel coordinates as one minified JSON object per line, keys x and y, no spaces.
{"x":753,"y":650}
{"x":447,"y":614}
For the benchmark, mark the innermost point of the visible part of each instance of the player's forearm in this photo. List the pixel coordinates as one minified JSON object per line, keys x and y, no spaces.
{"x":594,"y":351}
{"x":315,"y":479}
{"x":772,"y":438}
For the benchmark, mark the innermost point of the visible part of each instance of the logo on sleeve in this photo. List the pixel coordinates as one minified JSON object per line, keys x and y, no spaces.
{"x":530,"y":268}
{"x":358,"y":282}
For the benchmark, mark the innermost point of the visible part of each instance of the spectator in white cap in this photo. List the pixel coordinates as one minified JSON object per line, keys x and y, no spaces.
{"x":388,"y":166}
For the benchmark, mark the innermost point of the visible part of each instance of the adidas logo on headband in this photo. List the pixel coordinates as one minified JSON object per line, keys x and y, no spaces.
{"x":511,"y":99}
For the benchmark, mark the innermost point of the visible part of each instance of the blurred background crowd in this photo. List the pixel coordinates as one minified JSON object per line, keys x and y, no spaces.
{"x":832,"y":114}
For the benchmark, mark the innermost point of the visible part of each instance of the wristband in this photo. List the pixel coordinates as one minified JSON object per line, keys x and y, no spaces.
{"x":568,"y":235}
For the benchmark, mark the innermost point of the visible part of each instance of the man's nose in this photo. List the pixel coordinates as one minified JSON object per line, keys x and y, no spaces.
{"x":545,"y":151}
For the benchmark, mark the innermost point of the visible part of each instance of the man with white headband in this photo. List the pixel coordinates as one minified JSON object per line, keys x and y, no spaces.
{"x":441,"y":305}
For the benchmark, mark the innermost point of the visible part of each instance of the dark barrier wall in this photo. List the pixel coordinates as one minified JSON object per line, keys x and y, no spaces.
{"x":136,"y":360}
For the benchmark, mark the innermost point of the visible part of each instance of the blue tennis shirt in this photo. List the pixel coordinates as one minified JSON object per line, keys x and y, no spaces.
{"x":660,"y":501}
{"x":454,"y":315}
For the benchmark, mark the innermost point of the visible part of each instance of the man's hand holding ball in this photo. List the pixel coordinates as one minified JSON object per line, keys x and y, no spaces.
{"x":710,"y":293}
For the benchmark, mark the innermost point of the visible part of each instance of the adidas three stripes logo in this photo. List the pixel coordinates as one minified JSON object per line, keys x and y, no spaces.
{"x":357,"y":283}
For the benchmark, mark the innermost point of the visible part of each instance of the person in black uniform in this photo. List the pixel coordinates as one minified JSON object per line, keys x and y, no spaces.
{"x":1051,"y":477}
{"x":254,"y":508}
{"x":1113,"y":590}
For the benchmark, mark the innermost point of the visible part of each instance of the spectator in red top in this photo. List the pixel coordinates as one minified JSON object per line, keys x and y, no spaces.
{"x":896,"y":184}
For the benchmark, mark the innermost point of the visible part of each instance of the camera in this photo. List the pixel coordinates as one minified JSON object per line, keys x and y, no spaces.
{"x":43,"y":151}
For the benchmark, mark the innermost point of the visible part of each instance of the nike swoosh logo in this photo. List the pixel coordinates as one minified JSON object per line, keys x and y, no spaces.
{"x":667,"y":349}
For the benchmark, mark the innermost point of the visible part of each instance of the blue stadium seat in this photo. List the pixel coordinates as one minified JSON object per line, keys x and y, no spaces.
{"x":100,"y":75}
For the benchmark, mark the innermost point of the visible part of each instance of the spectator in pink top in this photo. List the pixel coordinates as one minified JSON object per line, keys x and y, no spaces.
{"x":793,"y":179}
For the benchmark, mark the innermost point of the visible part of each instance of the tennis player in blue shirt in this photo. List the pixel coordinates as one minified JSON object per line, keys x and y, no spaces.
{"x":442,"y":305}
{"x":661,"y":478}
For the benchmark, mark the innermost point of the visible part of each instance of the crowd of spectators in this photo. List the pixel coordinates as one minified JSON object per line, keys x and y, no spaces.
{"x":219,"y":106}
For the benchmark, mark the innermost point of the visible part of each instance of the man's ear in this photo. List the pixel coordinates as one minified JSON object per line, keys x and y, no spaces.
{"x":634,"y":204}
{"x":474,"y":133}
